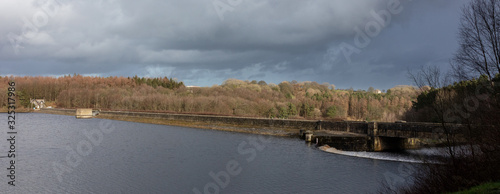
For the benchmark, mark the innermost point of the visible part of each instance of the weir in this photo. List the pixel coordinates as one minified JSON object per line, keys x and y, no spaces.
{"x":384,"y":136}
{"x":346,"y":135}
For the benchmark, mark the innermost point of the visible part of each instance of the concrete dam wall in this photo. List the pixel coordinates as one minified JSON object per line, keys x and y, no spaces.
{"x":403,"y":130}
{"x":379,"y":136}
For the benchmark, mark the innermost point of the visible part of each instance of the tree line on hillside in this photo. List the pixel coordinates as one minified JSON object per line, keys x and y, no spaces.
{"x":77,"y":90}
{"x":308,"y":100}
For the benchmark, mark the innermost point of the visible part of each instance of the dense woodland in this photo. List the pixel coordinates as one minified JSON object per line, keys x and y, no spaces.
{"x":473,"y":152}
{"x":304,"y":100}
{"x":463,"y":101}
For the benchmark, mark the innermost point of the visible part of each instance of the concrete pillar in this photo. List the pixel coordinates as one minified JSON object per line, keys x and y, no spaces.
{"x":372,"y":132}
{"x":318,"y":125}
{"x":372,"y":129}
{"x":309,"y":137}
{"x":377,"y":144}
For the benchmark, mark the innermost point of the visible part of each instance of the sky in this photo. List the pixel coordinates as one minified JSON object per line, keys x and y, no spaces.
{"x":348,"y":43}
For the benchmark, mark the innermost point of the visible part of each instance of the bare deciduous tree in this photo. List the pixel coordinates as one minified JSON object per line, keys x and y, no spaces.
{"x":428,"y":76}
{"x":479,"y":38}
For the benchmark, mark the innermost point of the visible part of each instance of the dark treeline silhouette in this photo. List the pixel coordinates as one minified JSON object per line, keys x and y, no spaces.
{"x":473,"y":153}
{"x":308,"y":100}
{"x":155,"y":82}
{"x":473,"y":101}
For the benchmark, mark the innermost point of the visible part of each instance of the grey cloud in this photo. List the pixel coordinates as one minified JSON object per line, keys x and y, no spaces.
{"x":274,"y":40}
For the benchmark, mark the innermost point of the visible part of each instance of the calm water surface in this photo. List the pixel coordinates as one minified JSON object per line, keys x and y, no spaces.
{"x":147,"y":158}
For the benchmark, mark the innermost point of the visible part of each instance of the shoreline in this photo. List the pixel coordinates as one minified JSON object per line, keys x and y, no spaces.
{"x":283,"y":132}
{"x":21,"y":110}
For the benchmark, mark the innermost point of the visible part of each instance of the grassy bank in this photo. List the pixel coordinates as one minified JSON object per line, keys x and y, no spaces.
{"x":483,"y":188}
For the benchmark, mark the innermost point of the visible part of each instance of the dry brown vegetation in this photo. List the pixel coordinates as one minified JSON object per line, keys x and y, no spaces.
{"x":308,"y":100}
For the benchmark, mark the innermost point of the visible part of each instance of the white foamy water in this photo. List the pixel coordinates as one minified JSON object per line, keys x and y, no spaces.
{"x":410,"y":156}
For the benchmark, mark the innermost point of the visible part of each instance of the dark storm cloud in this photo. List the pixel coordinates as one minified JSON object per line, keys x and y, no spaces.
{"x":272,"y":40}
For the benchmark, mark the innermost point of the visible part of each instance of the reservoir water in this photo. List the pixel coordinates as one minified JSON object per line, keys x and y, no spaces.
{"x":61,"y":154}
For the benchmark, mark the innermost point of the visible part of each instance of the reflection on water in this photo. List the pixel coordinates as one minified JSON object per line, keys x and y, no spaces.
{"x":147,"y":158}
